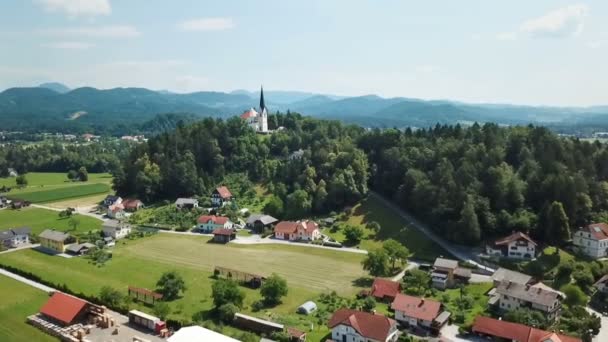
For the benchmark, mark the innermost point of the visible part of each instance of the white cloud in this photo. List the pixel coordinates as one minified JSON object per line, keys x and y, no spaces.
{"x":75,"y":8}
{"x":563,"y":22}
{"x":427,"y":68}
{"x":68,"y":45}
{"x":118,"y":31}
{"x":507,"y":36}
{"x":206,"y":24}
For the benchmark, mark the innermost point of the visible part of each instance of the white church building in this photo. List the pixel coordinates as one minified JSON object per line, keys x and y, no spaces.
{"x":255,"y":120}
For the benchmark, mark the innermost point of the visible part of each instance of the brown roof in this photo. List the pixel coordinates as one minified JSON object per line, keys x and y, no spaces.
{"x":63,"y":308}
{"x":446,"y":263}
{"x":376,"y":327}
{"x":516,"y":332}
{"x":224,"y":192}
{"x":290,"y":227}
{"x":131,"y":203}
{"x":528,"y":293}
{"x":599,"y":231}
{"x":146,"y":292}
{"x":223,"y":231}
{"x":213,"y":218}
{"x":295,"y":332}
{"x":512,"y":238}
{"x":385,"y":288}
{"x":415,"y":307}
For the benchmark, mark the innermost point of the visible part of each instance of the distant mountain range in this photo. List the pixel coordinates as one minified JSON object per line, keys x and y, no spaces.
{"x":54,"y":105}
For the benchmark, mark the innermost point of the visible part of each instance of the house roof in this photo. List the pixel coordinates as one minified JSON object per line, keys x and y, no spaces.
{"x":223,"y":231}
{"x":249,"y":113}
{"x":517,"y":332}
{"x":223,"y":192}
{"x":376,"y":327}
{"x":514,"y":237}
{"x":265,"y":219}
{"x":11,"y":233}
{"x":462,"y":272}
{"x":197,"y":333}
{"x":599,"y":231}
{"x":506,"y":274}
{"x":385,"y":288}
{"x":528,"y":293}
{"x":290,"y":227}
{"x":63,"y":307}
{"x":603,"y":280}
{"x":54,"y":235}
{"x":77,"y":247}
{"x":131,"y":203}
{"x":181,"y":201}
{"x":445,"y":263}
{"x":214,"y":219}
{"x":295,"y":332}
{"x":415,"y":307}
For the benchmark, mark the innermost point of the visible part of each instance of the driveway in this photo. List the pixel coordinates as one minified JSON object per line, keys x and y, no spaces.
{"x":459,"y":252}
{"x":450,"y":333}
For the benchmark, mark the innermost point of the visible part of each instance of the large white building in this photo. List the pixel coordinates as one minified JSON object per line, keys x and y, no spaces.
{"x":258,"y":121}
{"x":592,"y":240}
{"x":515,"y":246}
{"x":513,"y":296}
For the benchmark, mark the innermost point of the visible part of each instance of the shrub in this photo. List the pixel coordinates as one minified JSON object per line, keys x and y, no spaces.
{"x":226,"y":312}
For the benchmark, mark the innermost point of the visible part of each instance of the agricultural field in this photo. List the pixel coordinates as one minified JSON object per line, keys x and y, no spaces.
{"x":49,"y":187}
{"x":392,"y":226}
{"x":41,"y":219}
{"x":308,"y":271}
{"x":17,"y":301}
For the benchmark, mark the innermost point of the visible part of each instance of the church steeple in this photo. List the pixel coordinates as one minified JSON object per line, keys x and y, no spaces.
{"x":262,"y":104}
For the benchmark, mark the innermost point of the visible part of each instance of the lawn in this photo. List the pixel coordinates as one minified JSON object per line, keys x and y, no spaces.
{"x":17,"y":301}
{"x":392,"y":226}
{"x":477,"y":292}
{"x":308,"y":271}
{"x":41,"y":219}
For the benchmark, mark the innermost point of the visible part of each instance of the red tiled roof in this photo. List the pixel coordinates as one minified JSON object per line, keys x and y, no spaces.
{"x":385,"y":288}
{"x":599,"y":231}
{"x":224,"y":192}
{"x":248,"y":113}
{"x":131,"y":203}
{"x":146,"y":292}
{"x":63,"y":308}
{"x":376,"y":327}
{"x":213,"y":218}
{"x":515,"y":331}
{"x":223,"y":231}
{"x":419,"y":308}
{"x":514,"y":237}
{"x":290,"y":227}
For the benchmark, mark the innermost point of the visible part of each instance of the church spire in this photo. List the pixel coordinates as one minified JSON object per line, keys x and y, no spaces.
{"x":262,"y":104}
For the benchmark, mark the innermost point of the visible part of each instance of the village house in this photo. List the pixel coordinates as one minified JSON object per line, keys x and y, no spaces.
{"x":513,"y":296}
{"x":17,"y":203}
{"x":385,"y":290}
{"x":602,"y":284}
{"x":515,"y":246}
{"x":298,"y":230}
{"x":116,"y":230}
{"x":116,"y":211}
{"x":111,"y":200}
{"x":223,"y":235}
{"x":259,"y":222}
{"x":414,"y":312}
{"x":446,"y":274}
{"x":55,"y":241}
{"x":503,"y":274}
{"x":221,"y":196}
{"x":209,"y":223}
{"x":186,"y":203}
{"x":358,"y":326}
{"x":15,"y":237}
{"x":515,"y":332}
{"x":132,"y":204}
{"x":592,"y":240}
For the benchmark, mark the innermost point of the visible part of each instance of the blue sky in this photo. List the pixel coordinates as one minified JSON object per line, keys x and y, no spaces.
{"x":525,"y":52}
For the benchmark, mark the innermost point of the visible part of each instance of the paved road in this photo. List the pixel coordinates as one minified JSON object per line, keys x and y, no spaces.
{"x":20,"y":248}
{"x":410,"y":265}
{"x":457,"y":251}
{"x":26,"y":281}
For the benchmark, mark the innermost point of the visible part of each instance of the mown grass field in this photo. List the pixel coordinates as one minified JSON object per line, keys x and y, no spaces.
{"x":17,"y":301}
{"x":393,"y":226}
{"x":46,"y":187}
{"x":308,"y":272}
{"x":41,"y":219}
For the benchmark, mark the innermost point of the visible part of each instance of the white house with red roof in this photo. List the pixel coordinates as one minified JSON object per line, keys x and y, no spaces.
{"x":515,"y":246}
{"x":208,"y":223}
{"x":358,"y":326}
{"x":116,"y":211}
{"x":298,"y":230}
{"x":592,"y":240}
{"x":419,"y":312}
{"x":221,"y":196}
{"x":257,"y":121}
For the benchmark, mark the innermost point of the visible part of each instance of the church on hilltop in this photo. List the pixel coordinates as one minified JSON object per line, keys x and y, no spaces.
{"x":255,"y":120}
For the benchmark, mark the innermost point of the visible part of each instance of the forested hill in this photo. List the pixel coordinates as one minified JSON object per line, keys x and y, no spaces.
{"x":469,"y":184}
{"x":54,"y":107}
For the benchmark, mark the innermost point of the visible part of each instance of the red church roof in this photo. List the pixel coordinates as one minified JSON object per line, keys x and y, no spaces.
{"x":63,"y":308}
{"x":385,"y":288}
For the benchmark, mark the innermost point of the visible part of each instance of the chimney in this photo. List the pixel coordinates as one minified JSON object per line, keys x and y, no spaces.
{"x":421,"y":302}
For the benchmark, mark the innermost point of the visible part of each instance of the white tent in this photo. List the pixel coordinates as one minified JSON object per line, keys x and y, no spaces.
{"x":198,"y":334}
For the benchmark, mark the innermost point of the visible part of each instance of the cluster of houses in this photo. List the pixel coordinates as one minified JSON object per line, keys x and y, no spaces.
{"x":116,"y":208}
{"x":14,"y":203}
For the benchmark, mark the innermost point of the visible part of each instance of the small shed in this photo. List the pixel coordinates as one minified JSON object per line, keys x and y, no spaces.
{"x":222,"y":235}
{"x":80,"y":248}
{"x":307,"y":308}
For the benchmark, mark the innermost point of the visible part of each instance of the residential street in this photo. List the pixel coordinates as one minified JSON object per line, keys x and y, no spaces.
{"x":458,"y":251}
